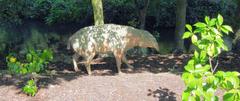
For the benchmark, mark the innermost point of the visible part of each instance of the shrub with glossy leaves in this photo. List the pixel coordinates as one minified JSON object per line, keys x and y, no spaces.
{"x":200,"y":78}
{"x":35,"y":62}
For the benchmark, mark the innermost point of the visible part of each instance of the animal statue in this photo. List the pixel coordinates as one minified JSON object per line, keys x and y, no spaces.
{"x":107,"y":38}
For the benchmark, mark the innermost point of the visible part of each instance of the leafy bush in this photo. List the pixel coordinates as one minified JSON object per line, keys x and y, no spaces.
{"x":199,"y":76}
{"x":35,"y":62}
{"x":30,"y":88}
{"x":14,"y":12}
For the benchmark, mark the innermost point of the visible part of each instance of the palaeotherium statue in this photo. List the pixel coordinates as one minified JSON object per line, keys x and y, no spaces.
{"x":92,"y":40}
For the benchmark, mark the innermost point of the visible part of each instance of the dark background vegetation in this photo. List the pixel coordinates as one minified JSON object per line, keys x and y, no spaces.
{"x":43,"y":24}
{"x":48,"y":23}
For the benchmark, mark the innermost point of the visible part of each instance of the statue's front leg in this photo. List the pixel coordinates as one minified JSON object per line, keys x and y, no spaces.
{"x":118,"y":57}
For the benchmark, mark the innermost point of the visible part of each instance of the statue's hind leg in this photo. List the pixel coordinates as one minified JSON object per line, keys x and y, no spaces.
{"x":124,"y":59}
{"x":88,"y":63}
{"x":75,"y":58}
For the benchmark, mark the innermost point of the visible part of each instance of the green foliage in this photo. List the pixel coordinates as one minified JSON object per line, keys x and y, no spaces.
{"x":51,"y":11}
{"x":120,"y":11}
{"x":164,"y":11}
{"x":199,"y":76}
{"x":10,"y":11}
{"x":64,"y":11}
{"x":30,"y":88}
{"x":37,"y":40}
{"x":35,"y":62}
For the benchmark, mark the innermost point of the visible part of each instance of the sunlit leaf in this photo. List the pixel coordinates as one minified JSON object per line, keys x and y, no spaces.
{"x":189,"y":27}
{"x":229,"y":28}
{"x":190,"y":66}
{"x":194,"y":38}
{"x":225,"y":30}
{"x":200,"y":24}
{"x":187,"y":35}
{"x":212,"y":22}
{"x":220,"y":19}
{"x":231,"y":95}
{"x":207,"y":19}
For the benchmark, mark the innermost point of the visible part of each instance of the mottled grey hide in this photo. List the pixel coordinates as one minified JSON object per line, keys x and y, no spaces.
{"x":92,"y":40}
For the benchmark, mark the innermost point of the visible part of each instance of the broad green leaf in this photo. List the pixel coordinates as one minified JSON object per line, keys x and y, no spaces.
{"x":185,"y":96}
{"x":198,"y":66}
{"x":203,"y":56}
{"x":196,"y":55}
{"x":200,"y":24}
{"x":202,"y":69}
{"x":211,"y":50}
{"x":224,"y":47}
{"x":210,"y":79}
{"x":219,"y":41}
{"x":207,"y":38}
{"x":194,"y":39}
{"x":235,"y":73}
{"x":220,"y":19}
{"x":225,"y":30}
{"x":212,"y":22}
{"x":203,"y":44}
{"x":232,"y":79}
{"x":231,"y":95}
{"x":189,"y":27}
{"x":187,"y":35}
{"x":209,"y":94}
{"x":189,"y":80}
{"x":207,"y":19}
{"x":220,"y":74}
{"x":199,"y":30}
{"x":190,"y":66}
{"x":226,"y":27}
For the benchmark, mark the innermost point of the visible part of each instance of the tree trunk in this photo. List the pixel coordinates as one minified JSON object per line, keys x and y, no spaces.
{"x":238,"y":9}
{"x":98,"y":12}
{"x":181,"y":6}
{"x":142,"y":6}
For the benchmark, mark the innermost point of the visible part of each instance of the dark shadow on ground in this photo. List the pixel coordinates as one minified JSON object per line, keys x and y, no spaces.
{"x":163,"y":94}
{"x":153,"y":63}
{"x":59,"y":71}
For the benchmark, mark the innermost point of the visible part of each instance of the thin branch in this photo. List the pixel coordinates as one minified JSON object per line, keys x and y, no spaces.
{"x":210,"y":62}
{"x":215,"y":66}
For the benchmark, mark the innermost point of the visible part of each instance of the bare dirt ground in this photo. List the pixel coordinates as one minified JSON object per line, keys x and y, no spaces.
{"x":154,"y":78}
{"x":127,"y":87}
